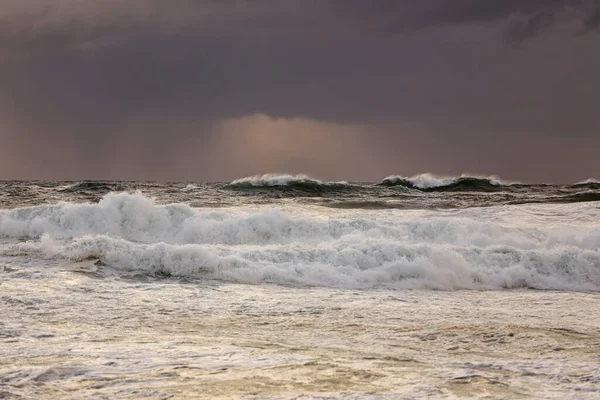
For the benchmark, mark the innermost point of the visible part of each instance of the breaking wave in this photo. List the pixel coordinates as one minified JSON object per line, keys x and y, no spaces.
{"x":268,"y":180}
{"x":302,"y":184}
{"x":472,"y":249}
{"x":190,"y":188}
{"x":430,"y":182}
{"x":591,"y":184}
{"x":298,"y":183}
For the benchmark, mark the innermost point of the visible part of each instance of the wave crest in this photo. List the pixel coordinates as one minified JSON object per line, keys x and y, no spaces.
{"x":296,"y":183}
{"x":433,"y":182}
{"x":268,"y":180}
{"x":590,"y":183}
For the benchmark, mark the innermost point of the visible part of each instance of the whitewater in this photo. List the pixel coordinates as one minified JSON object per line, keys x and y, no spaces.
{"x":282,"y":286}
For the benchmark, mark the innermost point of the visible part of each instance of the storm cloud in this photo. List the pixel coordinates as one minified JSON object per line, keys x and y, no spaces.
{"x":211,"y":90}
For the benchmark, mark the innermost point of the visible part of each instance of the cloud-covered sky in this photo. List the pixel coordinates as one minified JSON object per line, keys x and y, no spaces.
{"x":205,"y":90}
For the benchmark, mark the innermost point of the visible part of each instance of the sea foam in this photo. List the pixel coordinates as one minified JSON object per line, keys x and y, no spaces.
{"x":467,"y":250}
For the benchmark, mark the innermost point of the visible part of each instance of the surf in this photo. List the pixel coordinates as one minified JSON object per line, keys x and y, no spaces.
{"x":496,"y":248}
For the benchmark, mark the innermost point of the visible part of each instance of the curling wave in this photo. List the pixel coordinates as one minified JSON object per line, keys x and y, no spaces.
{"x":430,"y":182}
{"x":295,"y":183}
{"x":472,"y":249}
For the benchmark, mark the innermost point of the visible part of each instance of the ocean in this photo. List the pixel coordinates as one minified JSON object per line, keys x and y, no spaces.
{"x":286,"y":287}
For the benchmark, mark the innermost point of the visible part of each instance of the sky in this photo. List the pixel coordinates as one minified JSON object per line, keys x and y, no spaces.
{"x":212,"y":90}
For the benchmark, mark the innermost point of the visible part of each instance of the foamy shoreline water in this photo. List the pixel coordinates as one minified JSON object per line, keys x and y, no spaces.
{"x":72,"y":335}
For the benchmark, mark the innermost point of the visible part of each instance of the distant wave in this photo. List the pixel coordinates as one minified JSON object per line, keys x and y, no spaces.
{"x":423,"y":182}
{"x":589,"y":180}
{"x":432,"y":182}
{"x":588,"y":183}
{"x":297,"y":183}
{"x":130,"y":233}
{"x":270,"y":180}
{"x":579,"y":197}
{"x":92,"y":186}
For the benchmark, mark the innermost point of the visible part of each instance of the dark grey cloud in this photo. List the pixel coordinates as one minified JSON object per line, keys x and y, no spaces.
{"x":525,"y":19}
{"x":88,"y":23}
{"x":135,"y":89}
{"x":592,"y":21}
{"x":522,"y":29}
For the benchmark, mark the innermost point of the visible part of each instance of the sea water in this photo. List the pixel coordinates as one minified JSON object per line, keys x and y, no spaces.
{"x":288,"y":287}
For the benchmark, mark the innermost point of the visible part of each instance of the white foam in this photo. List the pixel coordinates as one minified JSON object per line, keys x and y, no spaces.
{"x":348,"y":262}
{"x":190,"y":187}
{"x":555,"y":247}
